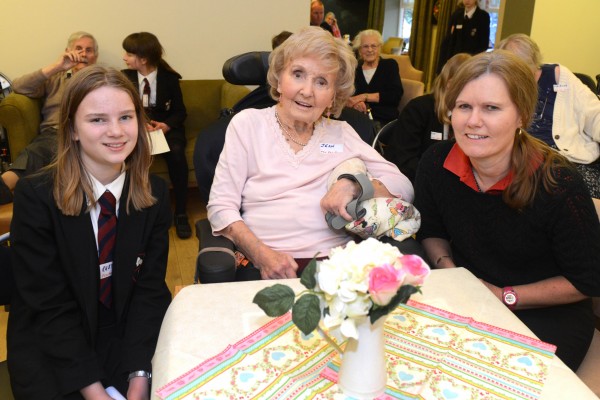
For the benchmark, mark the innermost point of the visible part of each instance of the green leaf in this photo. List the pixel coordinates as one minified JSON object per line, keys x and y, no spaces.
{"x":275,"y":300}
{"x":401,"y":296}
{"x":306,"y":313}
{"x":308,"y":278}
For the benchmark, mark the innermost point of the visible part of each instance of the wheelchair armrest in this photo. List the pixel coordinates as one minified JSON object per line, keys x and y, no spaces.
{"x":216,"y":257}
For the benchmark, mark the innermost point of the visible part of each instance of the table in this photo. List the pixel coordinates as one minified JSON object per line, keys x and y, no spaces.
{"x":203,"y":319}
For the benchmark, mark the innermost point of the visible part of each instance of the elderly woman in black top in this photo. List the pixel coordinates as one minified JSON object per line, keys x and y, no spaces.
{"x":509,"y":208}
{"x":377,"y":80}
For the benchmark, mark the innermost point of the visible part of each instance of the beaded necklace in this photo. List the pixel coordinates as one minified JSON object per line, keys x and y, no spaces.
{"x":287,"y":134}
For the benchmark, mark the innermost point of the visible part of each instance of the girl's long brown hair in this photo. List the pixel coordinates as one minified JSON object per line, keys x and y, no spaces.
{"x":72,"y":185}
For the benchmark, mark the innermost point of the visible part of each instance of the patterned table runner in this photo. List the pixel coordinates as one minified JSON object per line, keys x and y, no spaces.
{"x":431,"y":354}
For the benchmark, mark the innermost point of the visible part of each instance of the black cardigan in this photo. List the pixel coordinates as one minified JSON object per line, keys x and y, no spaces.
{"x":412,"y":134}
{"x":386,"y":82}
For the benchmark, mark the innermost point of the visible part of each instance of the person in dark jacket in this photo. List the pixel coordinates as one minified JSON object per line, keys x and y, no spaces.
{"x":90,"y":237}
{"x":468,"y":32}
{"x":419,"y":125}
{"x":164,"y":105}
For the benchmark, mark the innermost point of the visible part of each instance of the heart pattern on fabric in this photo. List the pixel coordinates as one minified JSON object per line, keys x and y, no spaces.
{"x":405,"y":376}
{"x":246,"y":376}
{"x":449,"y":394}
{"x":525,"y":361}
{"x":439,"y":331}
{"x":528,"y":364}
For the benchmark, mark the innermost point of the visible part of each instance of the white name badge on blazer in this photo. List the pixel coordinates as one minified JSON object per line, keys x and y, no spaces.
{"x":106,"y":270}
{"x":436,"y":135}
{"x":331,"y":148}
{"x":561,"y":87}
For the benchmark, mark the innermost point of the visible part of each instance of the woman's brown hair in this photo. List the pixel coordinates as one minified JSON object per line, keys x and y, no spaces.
{"x":532,"y":161}
{"x":72,"y":185}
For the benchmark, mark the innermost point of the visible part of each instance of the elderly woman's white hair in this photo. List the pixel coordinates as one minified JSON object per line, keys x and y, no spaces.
{"x":367,"y":32}
{"x":335,"y":56}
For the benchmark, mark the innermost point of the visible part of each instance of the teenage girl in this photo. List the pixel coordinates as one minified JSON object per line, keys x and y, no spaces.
{"x":164,"y":106}
{"x":90,"y":296}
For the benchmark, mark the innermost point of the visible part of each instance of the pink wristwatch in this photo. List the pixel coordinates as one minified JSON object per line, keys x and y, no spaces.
{"x":509,"y":297}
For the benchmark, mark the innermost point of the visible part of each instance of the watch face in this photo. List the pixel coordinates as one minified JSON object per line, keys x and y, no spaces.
{"x":510,"y":298}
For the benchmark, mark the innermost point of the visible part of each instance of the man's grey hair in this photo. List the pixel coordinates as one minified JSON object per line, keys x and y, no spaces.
{"x":81,"y":34}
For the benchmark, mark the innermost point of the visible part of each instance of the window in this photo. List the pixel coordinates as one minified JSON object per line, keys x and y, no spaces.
{"x":493,"y":8}
{"x":405,"y":21}
{"x":399,"y":16}
{"x":398,"y":20}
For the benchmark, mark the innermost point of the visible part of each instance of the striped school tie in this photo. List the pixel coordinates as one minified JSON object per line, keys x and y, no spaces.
{"x":107,"y":233}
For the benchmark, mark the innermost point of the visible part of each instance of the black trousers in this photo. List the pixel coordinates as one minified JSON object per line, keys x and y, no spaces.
{"x":39,"y":153}
{"x":178,"y":168}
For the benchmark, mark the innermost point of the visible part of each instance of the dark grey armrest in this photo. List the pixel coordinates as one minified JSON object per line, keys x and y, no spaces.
{"x":216,"y":257}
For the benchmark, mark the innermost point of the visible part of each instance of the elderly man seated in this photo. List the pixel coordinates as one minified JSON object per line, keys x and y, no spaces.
{"x":47,"y":83}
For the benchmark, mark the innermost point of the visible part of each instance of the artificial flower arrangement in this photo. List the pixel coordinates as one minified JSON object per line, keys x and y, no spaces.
{"x":370,"y":278}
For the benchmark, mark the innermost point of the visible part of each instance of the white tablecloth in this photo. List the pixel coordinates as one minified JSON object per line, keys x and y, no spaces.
{"x":203,"y":319}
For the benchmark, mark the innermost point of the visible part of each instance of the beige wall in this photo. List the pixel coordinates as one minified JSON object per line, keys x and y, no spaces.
{"x":567,"y":33}
{"x":198,"y":35}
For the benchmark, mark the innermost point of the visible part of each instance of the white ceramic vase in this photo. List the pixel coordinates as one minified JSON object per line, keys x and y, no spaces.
{"x":363,"y":373}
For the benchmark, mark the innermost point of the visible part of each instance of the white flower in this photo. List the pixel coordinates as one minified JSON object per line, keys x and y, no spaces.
{"x":343,"y":282}
{"x":348,"y":328}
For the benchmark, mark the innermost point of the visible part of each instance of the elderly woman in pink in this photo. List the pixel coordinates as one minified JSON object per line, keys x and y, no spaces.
{"x":269,"y":194}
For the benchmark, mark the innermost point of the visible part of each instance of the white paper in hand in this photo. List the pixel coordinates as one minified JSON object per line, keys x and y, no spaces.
{"x":158,"y":142}
{"x":114,"y":393}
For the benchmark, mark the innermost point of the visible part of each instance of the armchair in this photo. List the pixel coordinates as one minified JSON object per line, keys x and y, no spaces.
{"x":407,"y":71}
{"x":20,"y":116}
{"x":412,"y":89}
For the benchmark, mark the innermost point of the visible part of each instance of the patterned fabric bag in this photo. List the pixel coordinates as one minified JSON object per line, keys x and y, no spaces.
{"x":392,"y":217}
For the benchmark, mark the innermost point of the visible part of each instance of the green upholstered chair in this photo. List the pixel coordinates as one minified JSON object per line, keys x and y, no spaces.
{"x":204,"y":100}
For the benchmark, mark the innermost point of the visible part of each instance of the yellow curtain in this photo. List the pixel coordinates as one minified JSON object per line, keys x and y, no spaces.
{"x":376,"y":13}
{"x":447,"y":8}
{"x":422,"y":55}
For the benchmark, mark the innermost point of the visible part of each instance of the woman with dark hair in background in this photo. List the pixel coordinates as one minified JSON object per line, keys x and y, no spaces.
{"x":159,"y":89}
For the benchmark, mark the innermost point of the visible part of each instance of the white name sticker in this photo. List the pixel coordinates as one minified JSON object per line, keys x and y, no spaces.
{"x":436,"y":135}
{"x":561,"y":87}
{"x":331,"y":148}
{"x":106,"y":270}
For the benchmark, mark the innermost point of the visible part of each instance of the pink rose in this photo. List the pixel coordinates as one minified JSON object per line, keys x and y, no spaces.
{"x":415,"y":268}
{"x":384,"y":282}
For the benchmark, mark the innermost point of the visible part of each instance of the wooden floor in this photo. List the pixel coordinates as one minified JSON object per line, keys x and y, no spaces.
{"x":181,"y":264}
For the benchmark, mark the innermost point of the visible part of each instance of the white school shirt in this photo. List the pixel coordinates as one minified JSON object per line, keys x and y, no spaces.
{"x":152,"y":81}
